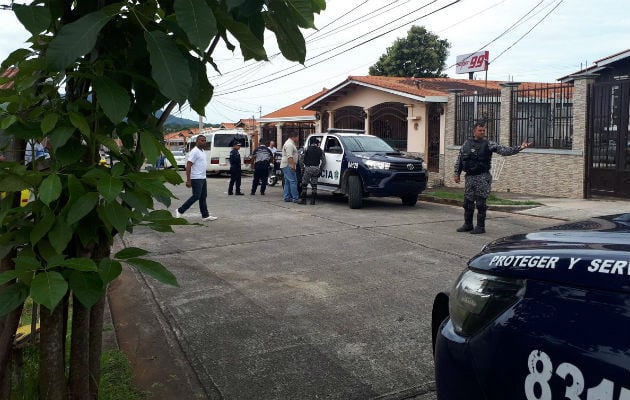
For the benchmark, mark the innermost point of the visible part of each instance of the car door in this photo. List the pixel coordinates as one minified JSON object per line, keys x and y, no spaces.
{"x":333,"y":151}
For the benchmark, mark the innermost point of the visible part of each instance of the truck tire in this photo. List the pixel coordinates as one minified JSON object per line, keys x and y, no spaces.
{"x":355,"y":192}
{"x":409,"y":199}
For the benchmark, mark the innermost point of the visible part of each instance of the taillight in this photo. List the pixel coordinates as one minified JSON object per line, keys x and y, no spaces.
{"x":214,"y":160}
{"x":477,"y":299}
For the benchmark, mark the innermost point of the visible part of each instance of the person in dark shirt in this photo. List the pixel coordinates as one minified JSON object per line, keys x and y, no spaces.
{"x":474,"y":158}
{"x":235,"y":169}
{"x":262,"y":159}
{"x":313,"y":160}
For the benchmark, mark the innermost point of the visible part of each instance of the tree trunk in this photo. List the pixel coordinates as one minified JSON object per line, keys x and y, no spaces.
{"x":96,"y":344}
{"x":8,"y":325}
{"x":79,"y":382}
{"x":52,"y":379}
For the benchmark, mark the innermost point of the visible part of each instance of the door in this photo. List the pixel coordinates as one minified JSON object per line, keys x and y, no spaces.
{"x":433,"y":151}
{"x":608,"y":149}
{"x":331,"y":173}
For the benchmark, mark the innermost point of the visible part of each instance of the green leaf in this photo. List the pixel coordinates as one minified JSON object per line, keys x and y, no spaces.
{"x":149,"y":146}
{"x":7,"y":121}
{"x":87,"y":287}
{"x":117,"y":215}
{"x":113,"y":98}
{"x":35,"y":19}
{"x":27,"y":263}
{"x":168,"y":66}
{"x":80,"y":264}
{"x":196,"y":19}
{"x":50,"y":189}
{"x":42,"y":228}
{"x":75,"y":40}
{"x":289,"y":37}
{"x":82,"y":207}
{"x":60,"y":236}
{"x":8,"y":276}
{"x":251,"y":46}
{"x":48,"y":288}
{"x":109,"y":270}
{"x":79,"y":122}
{"x":202,"y":90}
{"x":110,"y":144}
{"x":11,"y":297}
{"x":130,"y":252}
{"x":153,"y":269}
{"x":48,"y":122}
{"x":75,"y":187}
{"x":60,"y":135}
{"x":109,"y":187}
{"x":302,"y":12}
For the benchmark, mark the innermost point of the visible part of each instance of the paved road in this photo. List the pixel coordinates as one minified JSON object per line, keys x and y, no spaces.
{"x":283,"y":301}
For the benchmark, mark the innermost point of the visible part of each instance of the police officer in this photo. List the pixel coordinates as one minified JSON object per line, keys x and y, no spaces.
{"x":474,"y":158}
{"x":314,"y":161}
{"x":235,"y":168}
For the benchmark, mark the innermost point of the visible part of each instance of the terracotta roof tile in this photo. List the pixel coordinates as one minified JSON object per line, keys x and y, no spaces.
{"x":295,"y":109}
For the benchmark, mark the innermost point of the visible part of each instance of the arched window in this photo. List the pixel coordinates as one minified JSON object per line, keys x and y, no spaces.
{"x":349,"y":117}
{"x":389,"y":122}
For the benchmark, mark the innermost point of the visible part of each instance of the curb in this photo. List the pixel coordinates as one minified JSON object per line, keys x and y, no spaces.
{"x":459,"y":203}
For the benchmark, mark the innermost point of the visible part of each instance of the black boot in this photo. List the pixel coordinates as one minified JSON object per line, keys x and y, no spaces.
{"x":302,"y":197}
{"x":481,"y":223}
{"x":314,"y":197}
{"x":468,"y":225}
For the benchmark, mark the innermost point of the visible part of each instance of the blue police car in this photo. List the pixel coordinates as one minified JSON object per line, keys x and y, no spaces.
{"x":359,"y":165}
{"x":540,"y":316}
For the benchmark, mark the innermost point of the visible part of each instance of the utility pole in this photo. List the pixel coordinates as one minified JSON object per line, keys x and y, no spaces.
{"x":200,"y":123}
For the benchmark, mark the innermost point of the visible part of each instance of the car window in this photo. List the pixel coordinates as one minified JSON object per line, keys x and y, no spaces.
{"x":333,"y":146}
{"x":371,"y":144}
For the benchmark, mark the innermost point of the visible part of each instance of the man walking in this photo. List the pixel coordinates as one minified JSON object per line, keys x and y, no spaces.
{"x":314,"y":161}
{"x":262,"y":157}
{"x":196,"y":179}
{"x":288,"y":165}
{"x":474,"y":158}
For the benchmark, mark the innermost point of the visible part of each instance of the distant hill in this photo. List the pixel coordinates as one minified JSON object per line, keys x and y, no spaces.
{"x":176,"y":122}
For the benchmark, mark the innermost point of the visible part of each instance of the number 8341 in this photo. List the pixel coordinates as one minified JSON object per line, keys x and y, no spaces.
{"x":541,"y":370}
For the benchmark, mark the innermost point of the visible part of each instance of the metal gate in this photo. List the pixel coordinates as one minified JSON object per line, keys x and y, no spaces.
{"x":608,"y":147}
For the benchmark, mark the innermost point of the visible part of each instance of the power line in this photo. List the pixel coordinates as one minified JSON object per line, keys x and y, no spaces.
{"x":345,"y":50}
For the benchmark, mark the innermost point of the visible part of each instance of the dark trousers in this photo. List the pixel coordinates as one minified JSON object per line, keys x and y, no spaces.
{"x":235,"y":178}
{"x":199,"y":192}
{"x":261,"y":173}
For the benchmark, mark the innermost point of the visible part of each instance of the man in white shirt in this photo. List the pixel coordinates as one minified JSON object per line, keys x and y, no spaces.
{"x":196,"y":179}
{"x":288,"y":165}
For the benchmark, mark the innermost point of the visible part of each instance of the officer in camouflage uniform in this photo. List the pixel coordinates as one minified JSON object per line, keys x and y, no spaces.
{"x":313,"y":160}
{"x":474,"y":158}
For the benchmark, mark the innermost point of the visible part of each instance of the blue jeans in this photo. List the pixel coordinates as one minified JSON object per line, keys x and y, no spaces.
{"x":290,"y":184}
{"x":199,"y":192}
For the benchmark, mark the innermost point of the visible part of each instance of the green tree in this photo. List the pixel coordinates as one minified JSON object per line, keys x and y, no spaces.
{"x":421,"y":54}
{"x":95,"y":74}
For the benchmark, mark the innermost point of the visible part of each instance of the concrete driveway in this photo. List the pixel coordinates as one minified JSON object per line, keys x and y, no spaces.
{"x":287,"y":301}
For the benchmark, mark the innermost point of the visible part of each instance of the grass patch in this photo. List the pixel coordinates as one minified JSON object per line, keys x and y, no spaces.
{"x":492,"y":199}
{"x":116,"y":377}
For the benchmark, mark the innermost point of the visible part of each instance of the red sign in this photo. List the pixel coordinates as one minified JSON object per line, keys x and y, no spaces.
{"x":472,"y":62}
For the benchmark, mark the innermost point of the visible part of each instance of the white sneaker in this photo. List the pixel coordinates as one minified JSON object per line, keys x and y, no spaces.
{"x":177,"y":213}
{"x":209,"y":218}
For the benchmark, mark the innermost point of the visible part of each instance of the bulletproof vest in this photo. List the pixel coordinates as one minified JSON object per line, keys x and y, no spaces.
{"x":312,"y":156}
{"x":476,"y":156}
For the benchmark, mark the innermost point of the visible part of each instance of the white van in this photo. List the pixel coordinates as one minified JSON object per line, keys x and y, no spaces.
{"x":218,"y":149}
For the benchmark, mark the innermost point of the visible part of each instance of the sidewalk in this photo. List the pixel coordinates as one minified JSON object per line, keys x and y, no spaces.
{"x":559,"y":208}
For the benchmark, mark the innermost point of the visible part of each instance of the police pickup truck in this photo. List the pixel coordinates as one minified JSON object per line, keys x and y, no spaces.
{"x":360,"y":165}
{"x":543,"y":315}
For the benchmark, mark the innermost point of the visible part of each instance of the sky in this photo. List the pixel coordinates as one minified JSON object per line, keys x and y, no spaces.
{"x":527,"y":40}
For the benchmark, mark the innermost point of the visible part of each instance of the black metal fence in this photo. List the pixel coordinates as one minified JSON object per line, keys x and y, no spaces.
{"x":543,"y":115}
{"x":474,"y":107}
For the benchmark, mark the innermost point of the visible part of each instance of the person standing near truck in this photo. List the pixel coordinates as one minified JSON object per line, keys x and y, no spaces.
{"x":262,"y":157}
{"x":314,"y":160}
{"x":196,"y":180}
{"x":235,"y":169}
{"x":288,"y":166}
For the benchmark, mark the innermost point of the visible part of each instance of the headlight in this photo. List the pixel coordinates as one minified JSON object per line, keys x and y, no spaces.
{"x":371,"y":164}
{"x":477,"y":299}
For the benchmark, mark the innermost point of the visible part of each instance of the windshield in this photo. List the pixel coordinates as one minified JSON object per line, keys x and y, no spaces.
{"x":371,"y":144}
{"x":177,"y":153}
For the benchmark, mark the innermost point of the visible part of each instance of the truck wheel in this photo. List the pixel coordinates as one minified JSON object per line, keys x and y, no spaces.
{"x":409,"y":199}
{"x":355,"y":192}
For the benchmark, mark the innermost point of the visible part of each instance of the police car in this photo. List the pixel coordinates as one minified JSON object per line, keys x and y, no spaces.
{"x":359,"y":165}
{"x":540,"y":316}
